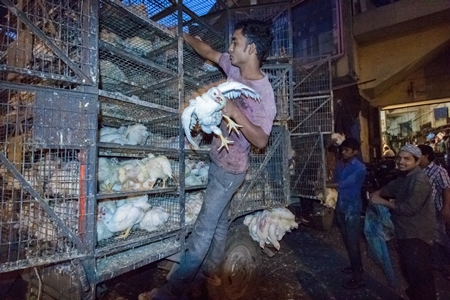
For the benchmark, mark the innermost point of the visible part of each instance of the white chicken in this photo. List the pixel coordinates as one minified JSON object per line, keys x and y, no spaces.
{"x":206,"y":110}
{"x":106,"y":207}
{"x":337,"y":138}
{"x":136,"y":134}
{"x":154,"y":219}
{"x":108,"y":175}
{"x":330,"y":198}
{"x":127,"y":215}
{"x":133,"y":174}
{"x":269,"y":226}
{"x":157,"y":168}
{"x":192,"y":180}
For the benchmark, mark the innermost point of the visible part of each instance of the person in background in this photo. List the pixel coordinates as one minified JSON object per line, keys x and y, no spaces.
{"x":388,"y":152}
{"x":440,"y":183}
{"x":250,"y":44}
{"x":413,"y":214}
{"x":447,"y":151}
{"x":348,"y":180}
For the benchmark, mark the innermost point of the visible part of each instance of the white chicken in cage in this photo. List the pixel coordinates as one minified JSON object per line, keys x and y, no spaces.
{"x":158,"y":168}
{"x":132,"y":174}
{"x":110,"y":74}
{"x":136,"y":134}
{"x":139,"y":45}
{"x":154,"y":219}
{"x":108,"y":175}
{"x":127,"y":215}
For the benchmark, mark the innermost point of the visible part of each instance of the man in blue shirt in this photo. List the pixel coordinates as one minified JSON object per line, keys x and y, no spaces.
{"x":348,"y":179}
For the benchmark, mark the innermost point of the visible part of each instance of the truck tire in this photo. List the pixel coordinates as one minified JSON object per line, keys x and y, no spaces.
{"x":239,"y":271}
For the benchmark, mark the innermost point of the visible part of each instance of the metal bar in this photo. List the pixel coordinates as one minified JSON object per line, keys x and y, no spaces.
{"x":311,"y":98}
{"x":310,"y":133}
{"x":35,"y":88}
{"x":26,"y":186}
{"x":324,"y":167}
{"x":135,"y":101}
{"x":191,"y":14}
{"x":164,"y":13}
{"x":85,"y":79}
{"x":181,"y":139}
{"x":39,"y":73}
{"x":139,"y":18}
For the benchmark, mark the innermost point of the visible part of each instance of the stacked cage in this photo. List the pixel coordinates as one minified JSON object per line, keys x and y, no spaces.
{"x":94,"y":160}
{"x":139,"y":199}
{"x":47,"y":130}
{"x":310,"y":126}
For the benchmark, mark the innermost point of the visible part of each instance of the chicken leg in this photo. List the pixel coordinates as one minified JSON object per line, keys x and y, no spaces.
{"x":232,"y":126}
{"x":223,"y":140}
{"x":125,"y":234}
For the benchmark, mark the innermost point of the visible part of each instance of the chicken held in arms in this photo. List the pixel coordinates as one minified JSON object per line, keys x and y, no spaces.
{"x":206,"y":110}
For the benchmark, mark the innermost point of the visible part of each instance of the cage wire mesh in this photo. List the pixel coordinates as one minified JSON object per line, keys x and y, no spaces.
{"x":139,"y":72}
{"x":265,"y":181}
{"x":312,"y":107}
{"x":41,"y":175}
{"x":280,"y":76}
{"x":46,"y":41}
{"x":158,"y":214}
{"x":278,"y":14}
{"x":311,"y":123}
{"x":307,"y":173}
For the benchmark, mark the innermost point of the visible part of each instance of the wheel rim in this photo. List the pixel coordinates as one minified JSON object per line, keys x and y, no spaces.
{"x":237,"y":272}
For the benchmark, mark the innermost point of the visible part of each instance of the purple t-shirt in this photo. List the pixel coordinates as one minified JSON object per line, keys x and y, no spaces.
{"x":261,"y":114}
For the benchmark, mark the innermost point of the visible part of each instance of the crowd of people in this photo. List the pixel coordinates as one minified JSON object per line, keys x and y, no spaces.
{"x":419,"y":203}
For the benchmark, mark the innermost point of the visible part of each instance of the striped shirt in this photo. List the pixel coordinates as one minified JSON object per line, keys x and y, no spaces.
{"x":439,"y":180}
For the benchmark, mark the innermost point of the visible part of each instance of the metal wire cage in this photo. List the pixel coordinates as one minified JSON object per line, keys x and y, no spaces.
{"x":310,"y":125}
{"x":71,"y":80}
{"x":48,"y":41}
{"x":266,"y":183}
{"x":43,"y":174}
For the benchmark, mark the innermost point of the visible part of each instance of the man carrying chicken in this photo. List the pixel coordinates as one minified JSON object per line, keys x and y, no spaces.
{"x":348,"y":179}
{"x":250,"y":43}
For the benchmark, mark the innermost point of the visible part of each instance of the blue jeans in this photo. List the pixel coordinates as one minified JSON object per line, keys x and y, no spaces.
{"x":206,"y":243}
{"x":350,"y":226}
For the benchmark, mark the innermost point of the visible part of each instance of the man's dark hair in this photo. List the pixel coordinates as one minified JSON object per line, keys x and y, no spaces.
{"x":258,"y":33}
{"x":350,"y":143}
{"x":428,"y":151}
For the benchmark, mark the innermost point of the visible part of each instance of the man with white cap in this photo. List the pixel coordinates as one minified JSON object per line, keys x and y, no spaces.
{"x":413,"y":214}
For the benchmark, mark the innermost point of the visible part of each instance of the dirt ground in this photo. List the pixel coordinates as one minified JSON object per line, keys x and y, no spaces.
{"x":306,"y":267}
